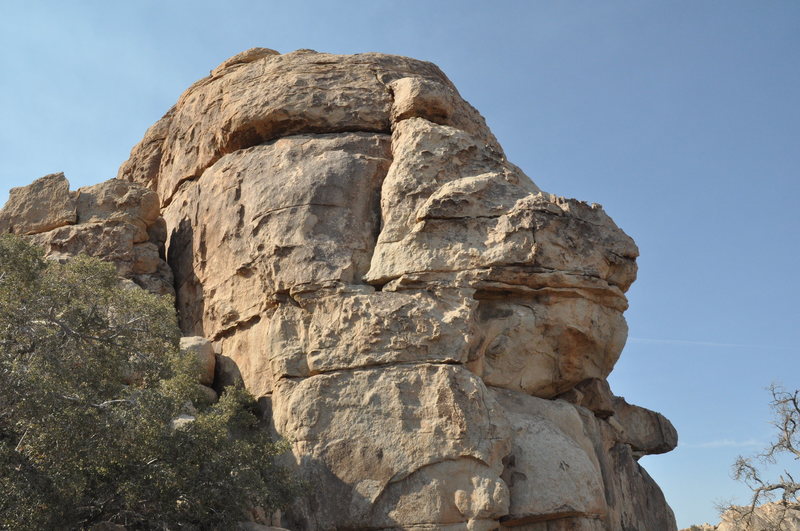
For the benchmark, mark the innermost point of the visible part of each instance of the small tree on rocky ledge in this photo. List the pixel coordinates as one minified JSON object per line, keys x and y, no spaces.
{"x":91,"y":385}
{"x":785,"y":488}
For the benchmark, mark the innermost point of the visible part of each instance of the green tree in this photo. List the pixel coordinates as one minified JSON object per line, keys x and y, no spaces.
{"x":92,"y":390}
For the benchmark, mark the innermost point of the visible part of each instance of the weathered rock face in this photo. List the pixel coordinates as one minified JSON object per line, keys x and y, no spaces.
{"x":116,"y":220}
{"x":43,"y":205}
{"x":430,"y":330}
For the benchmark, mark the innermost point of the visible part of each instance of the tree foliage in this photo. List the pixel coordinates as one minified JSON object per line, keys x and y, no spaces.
{"x":782,"y":490}
{"x":91,"y":382}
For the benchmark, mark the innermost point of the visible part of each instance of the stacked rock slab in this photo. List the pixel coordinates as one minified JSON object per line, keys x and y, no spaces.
{"x":118,"y":221}
{"x":350,"y":235}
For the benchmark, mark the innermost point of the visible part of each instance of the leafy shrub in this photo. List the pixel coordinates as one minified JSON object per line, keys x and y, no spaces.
{"x":91,"y":385}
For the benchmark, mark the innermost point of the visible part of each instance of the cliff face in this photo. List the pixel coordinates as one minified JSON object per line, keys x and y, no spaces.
{"x":429,"y":329}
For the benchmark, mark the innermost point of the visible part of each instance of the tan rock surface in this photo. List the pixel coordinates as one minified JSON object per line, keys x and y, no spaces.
{"x":647,"y":432}
{"x":450,"y":202}
{"x":545,"y":343}
{"x":271,"y":218}
{"x":43,"y":205}
{"x":117,"y":200}
{"x":550,"y":447}
{"x":349,"y":234}
{"x":351,"y":327}
{"x":391,"y":445}
{"x":116,"y":220}
{"x":250,"y":101}
{"x":201,"y":350}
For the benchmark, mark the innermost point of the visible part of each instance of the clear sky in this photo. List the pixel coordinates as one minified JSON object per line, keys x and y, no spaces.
{"x":681,"y":117}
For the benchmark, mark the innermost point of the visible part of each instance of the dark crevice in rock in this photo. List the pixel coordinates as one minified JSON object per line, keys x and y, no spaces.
{"x":375,"y":205}
{"x":285,"y":297}
{"x":377,"y":223}
{"x":456,"y":218}
{"x":381,"y":365}
{"x":378,"y":287}
{"x":182,"y":185}
{"x":371,"y":367}
{"x":511,"y":521}
{"x":238,"y":327}
{"x":264,"y":132}
{"x":489,"y":287}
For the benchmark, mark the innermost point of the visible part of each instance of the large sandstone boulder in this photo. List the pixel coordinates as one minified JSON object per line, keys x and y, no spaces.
{"x":117,"y":220}
{"x":43,"y":205}
{"x":430,"y":330}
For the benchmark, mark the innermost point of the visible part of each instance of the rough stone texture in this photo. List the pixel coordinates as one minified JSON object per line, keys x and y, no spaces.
{"x":108,"y":526}
{"x":452,"y":203}
{"x":115,"y":220}
{"x":549,"y":447}
{"x":406,"y":444}
{"x":271,"y":218}
{"x":405,"y":301}
{"x":43,"y":205}
{"x":348,"y":328}
{"x":593,"y":479}
{"x":647,"y":432}
{"x":594,"y":394}
{"x":259,"y":96}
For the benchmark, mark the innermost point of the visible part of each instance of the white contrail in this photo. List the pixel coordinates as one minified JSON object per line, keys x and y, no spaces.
{"x":700,"y":343}
{"x":725,"y":443}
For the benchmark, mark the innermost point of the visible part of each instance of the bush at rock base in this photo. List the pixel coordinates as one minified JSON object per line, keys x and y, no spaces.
{"x":102,"y":420}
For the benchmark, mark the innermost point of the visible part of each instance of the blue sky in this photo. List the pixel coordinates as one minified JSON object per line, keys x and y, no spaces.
{"x":680,"y":117}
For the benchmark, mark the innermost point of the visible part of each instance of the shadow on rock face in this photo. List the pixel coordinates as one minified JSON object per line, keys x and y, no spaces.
{"x":181,"y":244}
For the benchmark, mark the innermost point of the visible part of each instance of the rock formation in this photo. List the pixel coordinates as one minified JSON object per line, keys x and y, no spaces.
{"x":430,"y":330}
{"x":116,"y":220}
{"x":774,"y":516}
